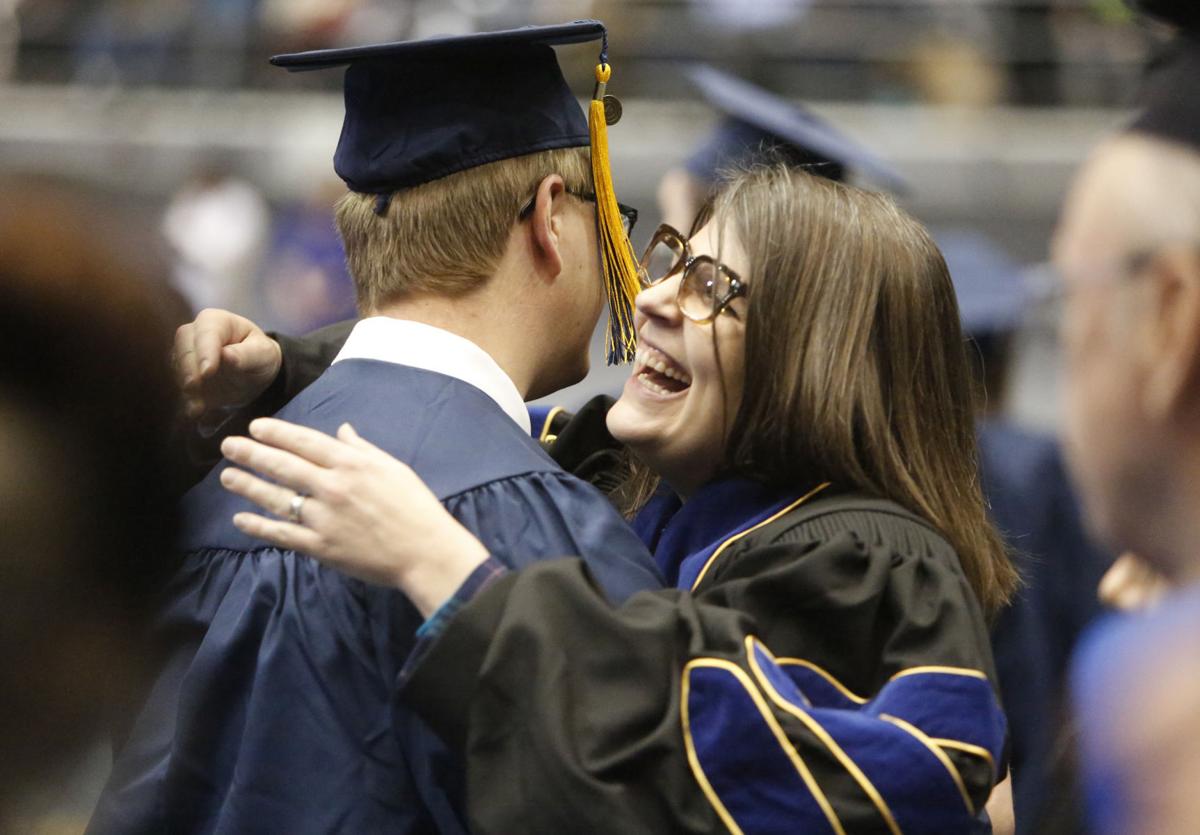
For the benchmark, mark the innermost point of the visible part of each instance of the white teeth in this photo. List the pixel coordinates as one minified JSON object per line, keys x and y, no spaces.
{"x":646,"y":359}
{"x":653,"y":386}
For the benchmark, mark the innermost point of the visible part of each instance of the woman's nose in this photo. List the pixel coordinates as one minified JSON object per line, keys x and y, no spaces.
{"x":658,"y":300}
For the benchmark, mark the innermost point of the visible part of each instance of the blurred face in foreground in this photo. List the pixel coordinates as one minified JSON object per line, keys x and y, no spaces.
{"x":1128,"y":259}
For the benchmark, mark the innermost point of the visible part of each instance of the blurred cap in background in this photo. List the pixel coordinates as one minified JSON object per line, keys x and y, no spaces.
{"x":757,"y":122}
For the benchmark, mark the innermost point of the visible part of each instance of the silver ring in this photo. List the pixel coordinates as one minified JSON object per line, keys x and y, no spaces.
{"x":294,"y":508}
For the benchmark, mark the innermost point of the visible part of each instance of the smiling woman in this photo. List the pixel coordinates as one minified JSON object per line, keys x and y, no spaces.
{"x":822,"y":664}
{"x":688,"y":374}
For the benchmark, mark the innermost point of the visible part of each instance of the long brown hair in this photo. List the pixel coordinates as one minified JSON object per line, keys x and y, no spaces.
{"x":856,"y":369}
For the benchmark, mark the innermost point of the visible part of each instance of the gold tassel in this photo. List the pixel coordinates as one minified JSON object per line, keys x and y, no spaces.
{"x":616,"y":251}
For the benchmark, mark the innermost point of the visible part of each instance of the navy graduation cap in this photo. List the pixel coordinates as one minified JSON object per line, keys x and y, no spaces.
{"x":757,"y":121}
{"x":417,"y":111}
{"x":1171,"y":97}
{"x":992,"y":292}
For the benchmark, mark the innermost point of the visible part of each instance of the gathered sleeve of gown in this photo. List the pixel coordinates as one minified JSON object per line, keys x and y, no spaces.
{"x":826,"y":675}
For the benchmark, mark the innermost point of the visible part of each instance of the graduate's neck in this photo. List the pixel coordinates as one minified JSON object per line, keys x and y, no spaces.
{"x":480,"y":317}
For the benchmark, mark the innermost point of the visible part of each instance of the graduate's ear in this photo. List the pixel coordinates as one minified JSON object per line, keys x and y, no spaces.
{"x":546,"y":224}
{"x":1172,"y":387}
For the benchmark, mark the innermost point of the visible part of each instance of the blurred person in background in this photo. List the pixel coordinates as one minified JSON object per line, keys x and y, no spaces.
{"x":217,"y":225}
{"x":220,"y":32}
{"x":1032,"y":504}
{"x":87,"y":512}
{"x":957,"y":59}
{"x":1128,"y":246}
{"x":129,"y":41}
{"x":10,"y":37}
{"x":305,"y":24}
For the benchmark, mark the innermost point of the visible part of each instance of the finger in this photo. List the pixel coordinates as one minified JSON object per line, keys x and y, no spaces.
{"x":270,"y":497}
{"x":283,"y":534}
{"x":1111,"y":584}
{"x":277,"y":464}
{"x":214,"y":330}
{"x":1117,"y":577}
{"x":183,"y":357}
{"x":248,"y":355}
{"x":347,"y":434}
{"x":302,"y":441}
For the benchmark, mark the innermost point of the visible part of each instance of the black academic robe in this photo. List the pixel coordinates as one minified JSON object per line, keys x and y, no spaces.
{"x":823,"y":666}
{"x":274,"y":707}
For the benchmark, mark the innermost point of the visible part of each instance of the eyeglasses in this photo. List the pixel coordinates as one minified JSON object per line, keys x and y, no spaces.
{"x":706,"y":288}
{"x":1051,"y":287}
{"x":629,"y":215}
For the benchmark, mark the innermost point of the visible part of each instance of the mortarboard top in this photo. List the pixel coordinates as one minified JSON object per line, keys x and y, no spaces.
{"x":757,"y":120}
{"x":417,"y":111}
{"x":992,"y":292}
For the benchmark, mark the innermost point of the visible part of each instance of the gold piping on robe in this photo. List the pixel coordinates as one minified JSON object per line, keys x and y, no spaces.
{"x":753,"y":528}
{"x":917,"y":734}
{"x":815,"y":727}
{"x":771,"y":722}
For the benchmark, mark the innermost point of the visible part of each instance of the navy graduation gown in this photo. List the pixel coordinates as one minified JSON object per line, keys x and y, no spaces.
{"x":274,"y":709}
{"x":1034,"y":508}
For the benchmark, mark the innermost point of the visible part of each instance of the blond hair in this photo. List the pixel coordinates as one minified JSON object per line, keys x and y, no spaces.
{"x":447,"y":236}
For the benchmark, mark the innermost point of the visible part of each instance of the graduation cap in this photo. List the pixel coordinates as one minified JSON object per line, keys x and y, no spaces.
{"x":1171,"y":95}
{"x":417,"y":111}
{"x":757,"y":122}
{"x":992,"y":292}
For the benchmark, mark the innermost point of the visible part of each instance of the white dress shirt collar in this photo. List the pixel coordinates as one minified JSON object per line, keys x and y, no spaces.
{"x":418,"y":345}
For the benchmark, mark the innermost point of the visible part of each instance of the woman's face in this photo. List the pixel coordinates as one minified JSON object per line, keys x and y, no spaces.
{"x":670,"y":412}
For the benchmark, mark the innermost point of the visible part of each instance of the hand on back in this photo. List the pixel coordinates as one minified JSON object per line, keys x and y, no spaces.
{"x":222,"y":362}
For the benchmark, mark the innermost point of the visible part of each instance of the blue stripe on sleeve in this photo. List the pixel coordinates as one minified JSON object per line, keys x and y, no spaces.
{"x":913,"y":783}
{"x":750,"y":772}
